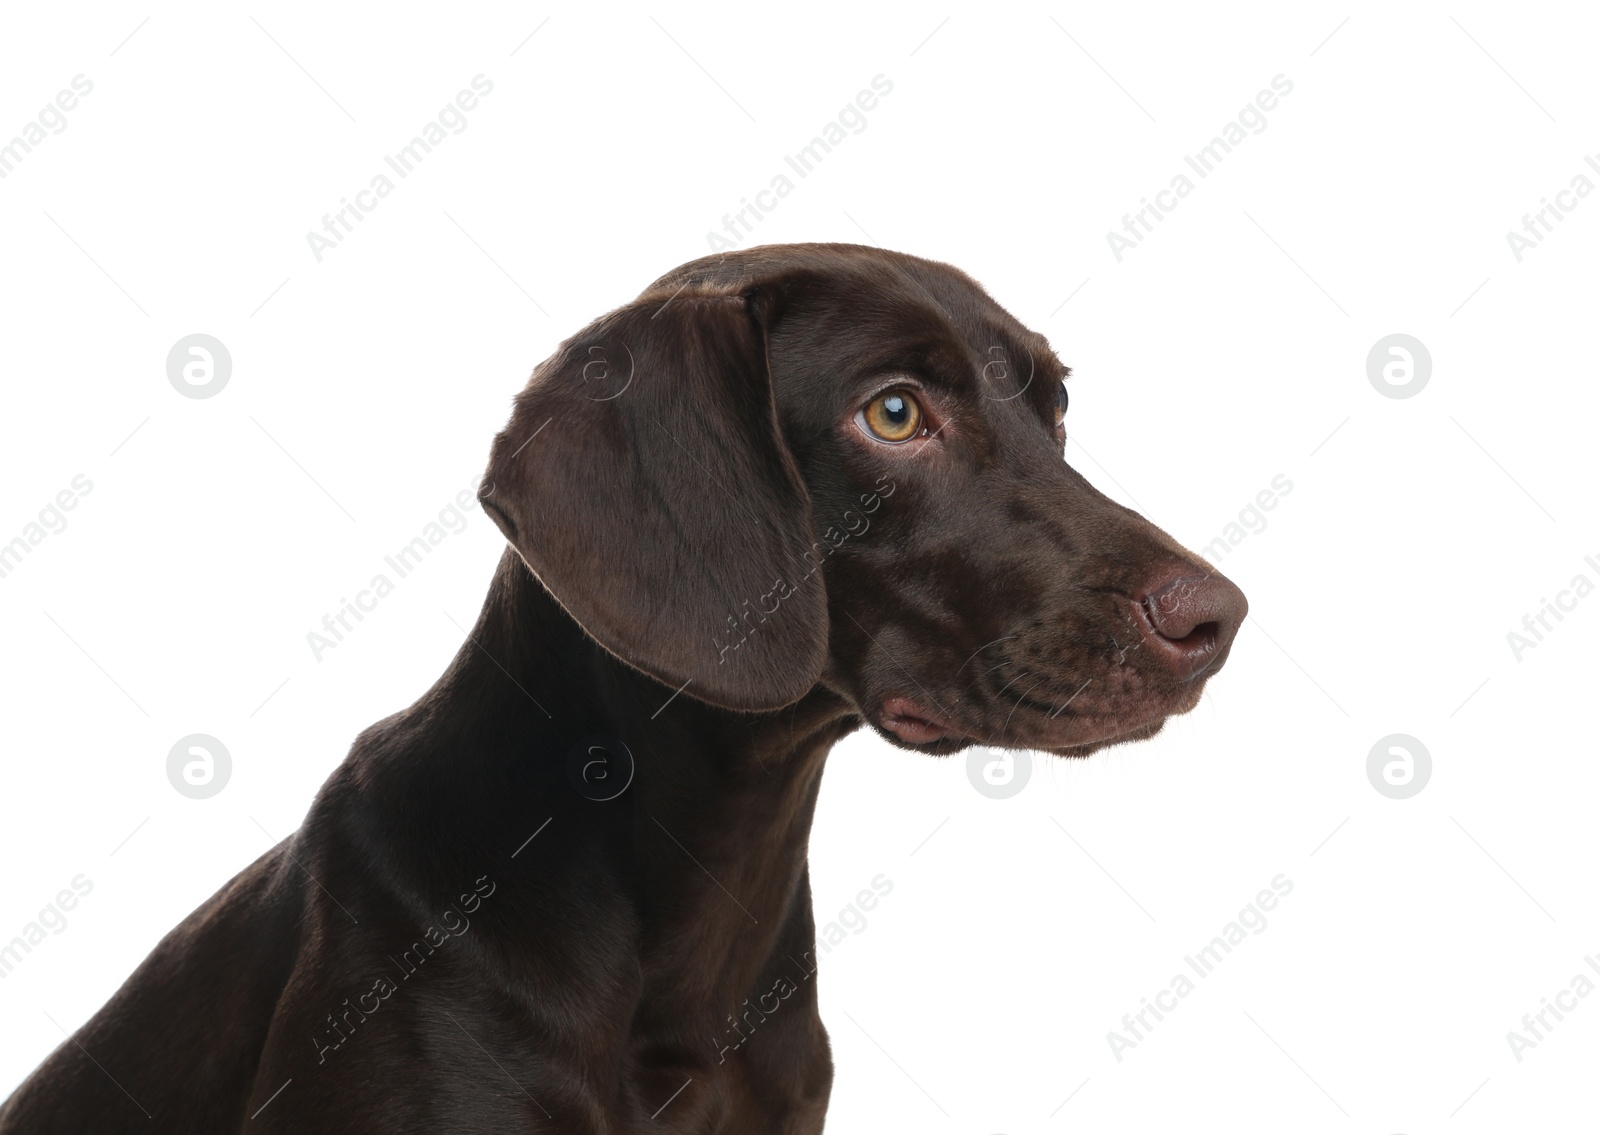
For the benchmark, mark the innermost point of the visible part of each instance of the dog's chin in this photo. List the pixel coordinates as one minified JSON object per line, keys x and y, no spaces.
{"x":911,"y":725}
{"x":1083,"y":749}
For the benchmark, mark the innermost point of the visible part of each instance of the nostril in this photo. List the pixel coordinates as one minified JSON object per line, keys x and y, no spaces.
{"x":1203,"y":636}
{"x":1166,"y":615}
{"x":1189,"y":621}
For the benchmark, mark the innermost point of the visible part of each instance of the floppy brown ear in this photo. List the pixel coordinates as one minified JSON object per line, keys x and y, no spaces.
{"x":644,"y":480}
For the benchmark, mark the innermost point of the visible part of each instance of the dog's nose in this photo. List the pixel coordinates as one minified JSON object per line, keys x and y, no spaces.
{"x":1189,"y":621}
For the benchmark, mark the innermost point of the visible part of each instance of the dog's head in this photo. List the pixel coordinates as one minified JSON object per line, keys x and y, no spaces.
{"x":827,"y":464}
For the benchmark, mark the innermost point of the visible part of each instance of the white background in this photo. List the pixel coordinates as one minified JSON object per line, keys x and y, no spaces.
{"x":1226,"y":349}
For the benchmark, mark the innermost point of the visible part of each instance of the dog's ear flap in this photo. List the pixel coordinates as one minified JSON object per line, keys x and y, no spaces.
{"x":645,"y":481}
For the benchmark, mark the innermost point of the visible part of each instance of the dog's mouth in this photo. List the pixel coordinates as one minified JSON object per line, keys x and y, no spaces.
{"x":916,"y":725}
{"x":911,"y":723}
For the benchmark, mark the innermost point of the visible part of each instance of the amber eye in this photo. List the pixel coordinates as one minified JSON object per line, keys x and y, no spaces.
{"x":892,"y":417}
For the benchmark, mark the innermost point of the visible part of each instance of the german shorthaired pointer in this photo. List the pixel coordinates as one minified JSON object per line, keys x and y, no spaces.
{"x":785,"y":493}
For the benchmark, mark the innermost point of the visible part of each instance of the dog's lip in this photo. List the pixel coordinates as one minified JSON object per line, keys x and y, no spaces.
{"x":1065,"y":734}
{"x":1073,"y":735}
{"x":1115,"y":737}
{"x":911,"y":723}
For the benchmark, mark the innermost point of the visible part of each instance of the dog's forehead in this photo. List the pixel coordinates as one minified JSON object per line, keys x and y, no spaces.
{"x":942,"y":317}
{"x":867,"y":302}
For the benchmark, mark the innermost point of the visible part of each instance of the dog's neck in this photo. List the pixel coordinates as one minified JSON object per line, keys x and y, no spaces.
{"x":705,"y":849}
{"x":530,"y":660}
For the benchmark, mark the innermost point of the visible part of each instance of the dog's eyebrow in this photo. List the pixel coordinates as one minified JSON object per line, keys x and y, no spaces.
{"x":1020,"y":339}
{"x":1027,"y":342}
{"x":1040,"y":348}
{"x":1052,"y":363}
{"x":934,"y":360}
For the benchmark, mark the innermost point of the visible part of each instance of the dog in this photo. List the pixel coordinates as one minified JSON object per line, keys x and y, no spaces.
{"x":786,"y":492}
